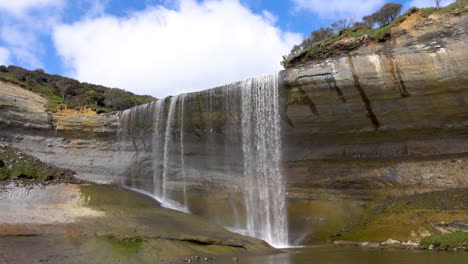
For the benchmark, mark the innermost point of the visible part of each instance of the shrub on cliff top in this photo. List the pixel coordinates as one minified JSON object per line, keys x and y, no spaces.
{"x":324,"y":36}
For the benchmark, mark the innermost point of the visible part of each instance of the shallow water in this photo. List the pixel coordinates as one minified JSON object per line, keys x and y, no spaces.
{"x":332,"y":255}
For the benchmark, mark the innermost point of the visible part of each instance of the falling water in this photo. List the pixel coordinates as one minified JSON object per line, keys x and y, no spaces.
{"x":234,"y":132}
{"x":167,"y":144}
{"x":158,"y":159}
{"x":182,"y":150}
{"x":261,"y":145}
{"x":152,"y":121}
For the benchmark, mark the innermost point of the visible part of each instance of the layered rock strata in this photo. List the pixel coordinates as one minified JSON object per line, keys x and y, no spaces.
{"x":83,"y":142}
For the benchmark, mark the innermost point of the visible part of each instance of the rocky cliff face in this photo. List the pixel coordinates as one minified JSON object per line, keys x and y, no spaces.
{"x":389,"y":113}
{"x":84,"y":142}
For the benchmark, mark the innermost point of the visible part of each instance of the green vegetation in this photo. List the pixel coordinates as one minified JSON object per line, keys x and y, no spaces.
{"x":446,"y":241}
{"x":315,"y":46}
{"x":319,"y":45}
{"x":128,"y":248}
{"x":409,"y":217}
{"x":14,"y":164}
{"x":455,"y":199}
{"x":459,"y":5}
{"x":62,"y":92}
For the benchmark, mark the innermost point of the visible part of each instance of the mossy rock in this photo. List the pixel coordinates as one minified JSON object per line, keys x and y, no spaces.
{"x":409,"y":217}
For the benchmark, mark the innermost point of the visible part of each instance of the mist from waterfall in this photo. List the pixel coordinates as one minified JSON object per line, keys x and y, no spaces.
{"x":229,"y":136}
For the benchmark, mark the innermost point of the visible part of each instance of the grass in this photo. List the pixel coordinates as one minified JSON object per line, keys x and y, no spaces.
{"x":317,"y":50}
{"x":446,"y":241}
{"x":21,"y":166}
{"x":455,"y":7}
{"x":127,"y":248}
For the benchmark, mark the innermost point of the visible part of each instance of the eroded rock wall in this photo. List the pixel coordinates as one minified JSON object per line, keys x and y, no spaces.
{"x":83,"y":142}
{"x":390,"y":113}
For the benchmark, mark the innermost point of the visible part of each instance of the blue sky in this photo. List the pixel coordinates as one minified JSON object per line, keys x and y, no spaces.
{"x":165,"y":47}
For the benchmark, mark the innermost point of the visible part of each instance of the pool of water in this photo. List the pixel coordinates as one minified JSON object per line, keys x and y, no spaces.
{"x":332,"y":255}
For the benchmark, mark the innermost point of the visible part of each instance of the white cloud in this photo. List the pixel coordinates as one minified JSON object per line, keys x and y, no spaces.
{"x":20,"y":6}
{"x":161,"y":52}
{"x":338,"y":9}
{"x":22,"y":25}
{"x":429,"y":3}
{"x":4,"y":56}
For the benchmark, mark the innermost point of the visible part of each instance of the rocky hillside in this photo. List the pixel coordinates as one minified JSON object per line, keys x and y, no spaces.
{"x":80,"y":140}
{"x":66,"y":93}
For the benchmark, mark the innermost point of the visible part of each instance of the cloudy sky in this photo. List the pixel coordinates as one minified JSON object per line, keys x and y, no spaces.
{"x":165,"y":47}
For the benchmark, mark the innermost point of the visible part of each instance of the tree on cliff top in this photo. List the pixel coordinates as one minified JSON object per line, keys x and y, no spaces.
{"x":384,"y":16}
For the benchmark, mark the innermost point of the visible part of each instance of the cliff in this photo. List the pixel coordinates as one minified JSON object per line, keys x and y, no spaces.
{"x":84,"y":142}
{"x":388,"y":119}
{"x":391,"y":113}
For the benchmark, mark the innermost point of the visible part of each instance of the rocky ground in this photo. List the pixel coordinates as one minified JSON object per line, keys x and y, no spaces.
{"x":50,"y":216}
{"x":71,"y":223}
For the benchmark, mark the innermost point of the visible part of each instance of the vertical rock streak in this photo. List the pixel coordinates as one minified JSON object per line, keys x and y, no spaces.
{"x":370,"y":112}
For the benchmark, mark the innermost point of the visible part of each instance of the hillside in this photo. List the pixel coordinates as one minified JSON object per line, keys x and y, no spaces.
{"x":66,"y":93}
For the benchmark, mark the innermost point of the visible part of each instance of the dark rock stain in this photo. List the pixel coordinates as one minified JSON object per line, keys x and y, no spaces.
{"x":365,"y":99}
{"x":284,"y":115}
{"x":333,"y":86}
{"x":397,"y":77}
{"x":306,"y":100}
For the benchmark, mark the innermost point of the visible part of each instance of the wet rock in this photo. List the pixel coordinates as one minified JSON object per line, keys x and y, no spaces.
{"x":369,"y":245}
{"x":342,"y":243}
{"x":409,"y":245}
{"x":192,"y":259}
{"x":391,"y":242}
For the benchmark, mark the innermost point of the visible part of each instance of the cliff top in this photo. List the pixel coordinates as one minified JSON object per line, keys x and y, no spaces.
{"x":350,"y":39}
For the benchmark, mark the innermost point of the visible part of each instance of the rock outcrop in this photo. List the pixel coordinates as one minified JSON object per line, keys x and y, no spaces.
{"x":83,"y":142}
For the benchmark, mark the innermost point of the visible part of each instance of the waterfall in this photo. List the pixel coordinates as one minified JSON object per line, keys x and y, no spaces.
{"x":157,"y":158}
{"x":261,"y":145}
{"x":167,"y":144}
{"x":152,"y":122}
{"x":229,"y":136}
